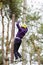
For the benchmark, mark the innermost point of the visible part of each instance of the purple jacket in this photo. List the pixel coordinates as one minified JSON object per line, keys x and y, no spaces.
{"x":21,"y":31}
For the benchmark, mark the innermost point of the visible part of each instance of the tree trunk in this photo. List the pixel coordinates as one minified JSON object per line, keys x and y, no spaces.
{"x":30,"y":58}
{"x":12,"y":37}
{"x":2,"y":36}
{"x":24,"y":57}
{"x":24,"y":11}
{"x":23,"y":43}
{"x":38,"y":53}
{"x":7,"y":45}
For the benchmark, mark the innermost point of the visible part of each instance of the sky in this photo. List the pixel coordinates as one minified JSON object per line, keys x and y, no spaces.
{"x":35,"y":3}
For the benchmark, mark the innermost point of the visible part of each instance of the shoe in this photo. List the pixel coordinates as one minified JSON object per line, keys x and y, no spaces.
{"x":17,"y":60}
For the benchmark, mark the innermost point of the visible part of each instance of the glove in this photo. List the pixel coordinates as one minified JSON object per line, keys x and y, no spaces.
{"x":18,"y":22}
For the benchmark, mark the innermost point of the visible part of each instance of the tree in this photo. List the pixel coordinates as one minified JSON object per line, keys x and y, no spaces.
{"x":1,"y":7}
{"x":12,"y":37}
{"x":41,"y":29}
{"x":35,"y":49}
{"x":3,"y":38}
{"x":15,"y":11}
{"x":33,"y":17}
{"x":23,"y":43}
{"x":1,"y":60}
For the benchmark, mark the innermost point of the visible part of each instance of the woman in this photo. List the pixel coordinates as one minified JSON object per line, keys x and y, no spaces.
{"x":22,"y":30}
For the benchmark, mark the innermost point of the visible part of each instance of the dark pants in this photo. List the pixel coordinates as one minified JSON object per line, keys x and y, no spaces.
{"x":17,"y":43}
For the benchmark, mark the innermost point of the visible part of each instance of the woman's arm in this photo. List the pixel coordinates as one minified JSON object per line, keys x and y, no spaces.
{"x":18,"y":25}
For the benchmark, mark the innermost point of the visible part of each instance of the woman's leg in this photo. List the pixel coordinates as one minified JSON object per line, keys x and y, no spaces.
{"x":19,"y":55}
{"x":17,"y":44}
{"x":15,"y":49}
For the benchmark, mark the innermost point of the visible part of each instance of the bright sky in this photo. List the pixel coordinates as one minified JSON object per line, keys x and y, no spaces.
{"x":35,"y":3}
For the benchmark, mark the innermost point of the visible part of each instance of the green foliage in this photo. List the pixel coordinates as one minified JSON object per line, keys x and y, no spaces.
{"x":33,"y":16}
{"x":41,"y":29}
{"x":14,"y":6}
{"x":41,"y":59}
{"x":33,"y":37}
{"x":1,"y":61}
{"x":0,"y":5}
{"x":5,"y":2}
{"x":31,"y":52}
{"x":31,"y":42}
{"x":0,"y":51}
{"x":0,"y":38}
{"x":28,"y":42}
